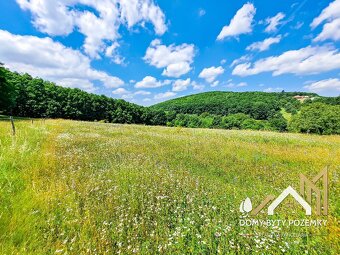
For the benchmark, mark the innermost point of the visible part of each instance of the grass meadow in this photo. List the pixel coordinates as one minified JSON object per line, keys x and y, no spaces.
{"x":70,"y":187}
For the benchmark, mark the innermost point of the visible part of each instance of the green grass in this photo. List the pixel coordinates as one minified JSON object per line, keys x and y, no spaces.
{"x":71,"y":187}
{"x":286,"y":115}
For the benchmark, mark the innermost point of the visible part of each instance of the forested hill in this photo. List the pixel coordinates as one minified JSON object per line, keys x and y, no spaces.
{"x":24,"y":96}
{"x":259,"y":105}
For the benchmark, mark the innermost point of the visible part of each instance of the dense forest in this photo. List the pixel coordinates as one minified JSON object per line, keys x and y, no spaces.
{"x":258,"y":105}
{"x":25,"y":96}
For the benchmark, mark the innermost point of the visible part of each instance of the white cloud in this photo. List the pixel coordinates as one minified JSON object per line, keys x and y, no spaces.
{"x":52,"y":61}
{"x":264,"y":45}
{"x":236,"y":85}
{"x":110,"y":81}
{"x":164,"y":95}
{"x":181,"y":85}
{"x":328,"y":87}
{"x":197,"y":86}
{"x":309,"y":60}
{"x":242,"y":59}
{"x":175,"y":60}
{"x":138,"y":11}
{"x":142,"y":92}
{"x":150,"y":82}
{"x":331,"y":12}
{"x":215,"y":84}
{"x":177,"y":69}
{"x":331,"y":30}
{"x":270,"y":89}
{"x":274,"y":22}
{"x":241,"y":23}
{"x":51,"y":17}
{"x":111,"y":52}
{"x":298,"y":25}
{"x":83,"y":84}
{"x":100,"y":27}
{"x":127,"y":96}
{"x":120,"y":91}
{"x":210,"y":74}
{"x":223,"y":61}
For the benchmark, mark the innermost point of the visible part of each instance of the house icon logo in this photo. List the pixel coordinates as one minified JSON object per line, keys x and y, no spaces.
{"x":304,"y":198}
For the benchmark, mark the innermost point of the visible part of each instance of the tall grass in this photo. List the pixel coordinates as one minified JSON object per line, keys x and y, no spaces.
{"x":88,"y":188}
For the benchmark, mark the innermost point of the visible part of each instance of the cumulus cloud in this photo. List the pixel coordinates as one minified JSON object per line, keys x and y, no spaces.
{"x":274,"y":22}
{"x":330,"y":30}
{"x":241,"y":23}
{"x":181,"y":85}
{"x":197,"y":86}
{"x":264,"y":45}
{"x":308,"y":60}
{"x":175,"y":60}
{"x":210,"y":74}
{"x":332,"y":11}
{"x":120,"y":91}
{"x":164,"y":95}
{"x":111,"y":52}
{"x":177,"y":69}
{"x":330,"y":15}
{"x":328,"y":87}
{"x":151,"y":82}
{"x":52,"y":61}
{"x":51,"y":17}
{"x":101,"y":26}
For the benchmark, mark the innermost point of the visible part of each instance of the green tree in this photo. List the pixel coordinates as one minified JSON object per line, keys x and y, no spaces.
{"x":317,"y":118}
{"x":7,"y":91}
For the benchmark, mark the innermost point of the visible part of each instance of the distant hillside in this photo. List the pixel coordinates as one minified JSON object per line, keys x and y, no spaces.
{"x":259,"y":105}
{"x":24,"y":96}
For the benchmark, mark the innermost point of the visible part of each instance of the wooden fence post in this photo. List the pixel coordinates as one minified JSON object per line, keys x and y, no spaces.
{"x":13,"y":127}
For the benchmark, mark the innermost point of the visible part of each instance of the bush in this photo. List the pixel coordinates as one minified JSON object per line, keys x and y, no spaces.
{"x":234,"y":121}
{"x":253,"y":124}
{"x":278,"y":123}
{"x":317,"y":118}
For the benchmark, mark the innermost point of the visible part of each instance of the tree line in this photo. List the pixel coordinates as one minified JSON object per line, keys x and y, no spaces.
{"x":25,"y":96}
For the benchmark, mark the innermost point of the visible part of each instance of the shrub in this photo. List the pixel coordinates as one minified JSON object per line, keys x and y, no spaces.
{"x":317,"y":118}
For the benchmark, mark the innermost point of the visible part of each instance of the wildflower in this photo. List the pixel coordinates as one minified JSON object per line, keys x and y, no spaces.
{"x":217,"y":234}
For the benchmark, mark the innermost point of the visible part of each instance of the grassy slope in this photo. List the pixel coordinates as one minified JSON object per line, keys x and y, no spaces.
{"x":90,"y":188}
{"x":286,"y":115}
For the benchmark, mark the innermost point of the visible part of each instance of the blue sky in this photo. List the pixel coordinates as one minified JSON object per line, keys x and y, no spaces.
{"x":147,"y":51}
